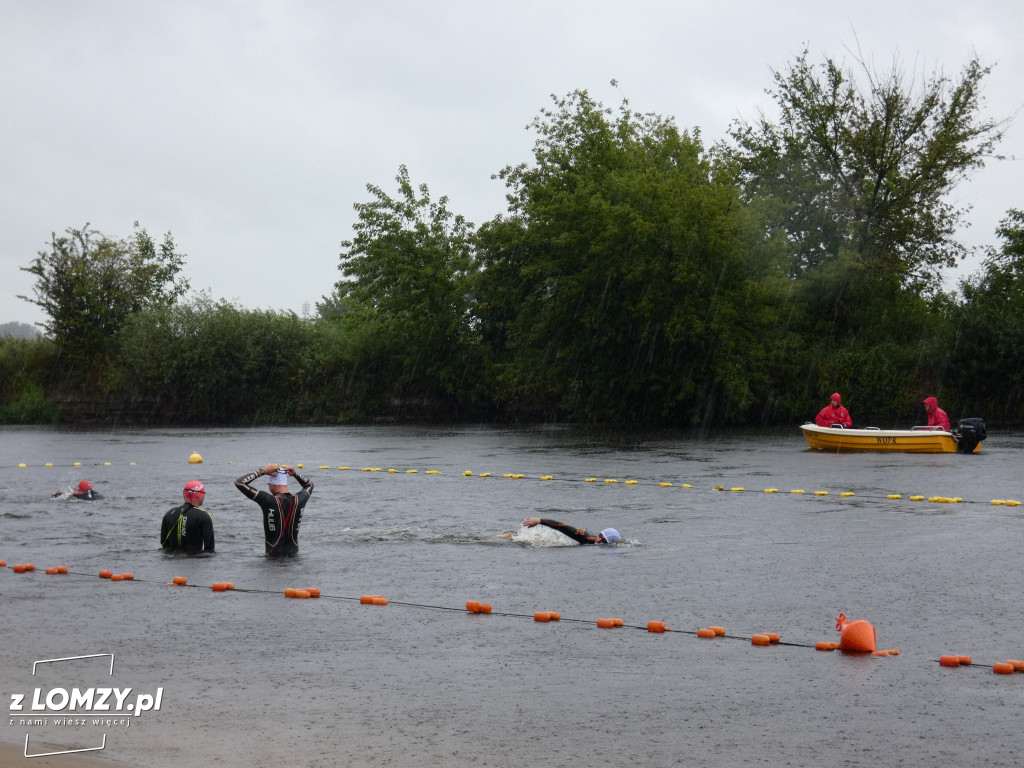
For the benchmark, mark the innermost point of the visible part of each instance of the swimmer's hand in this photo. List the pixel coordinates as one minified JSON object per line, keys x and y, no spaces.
{"x":531,"y":521}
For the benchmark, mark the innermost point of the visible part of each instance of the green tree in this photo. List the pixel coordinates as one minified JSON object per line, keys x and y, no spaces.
{"x":89,"y":284}
{"x":404,"y":295}
{"x":628,"y":282}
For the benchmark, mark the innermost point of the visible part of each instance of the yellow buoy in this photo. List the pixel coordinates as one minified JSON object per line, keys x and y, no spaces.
{"x":894,"y":496}
{"x":195,"y":458}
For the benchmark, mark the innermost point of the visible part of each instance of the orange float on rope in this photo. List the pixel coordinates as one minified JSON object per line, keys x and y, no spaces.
{"x":824,"y":645}
{"x":51,"y":571}
{"x":3,"y":563}
{"x":655,"y":626}
{"x":542,"y":616}
{"x":1017,"y":665}
{"x":219,"y":587}
{"x":179,"y":580}
{"x":772,"y":636}
{"x":760,"y":640}
{"x":313,"y":591}
{"x":30,"y":567}
{"x":879,"y":653}
{"x":1003,"y":668}
{"x":62,"y":569}
{"x":717,"y":630}
{"x":606,"y":623}
{"x":368,"y":600}
{"x":473,"y":606}
{"x":707,"y":632}
{"x":618,"y":622}
{"x":380,"y":600}
{"x":106,"y":574}
{"x":20,"y":568}
{"x":965,"y":660}
{"x":856,"y":636}
{"x":949,"y":661}
{"x":117,"y":577}
{"x":229,"y":584}
{"x":486,"y":608}
{"x":290,"y":592}
{"x":128,"y":576}
{"x":302,"y":594}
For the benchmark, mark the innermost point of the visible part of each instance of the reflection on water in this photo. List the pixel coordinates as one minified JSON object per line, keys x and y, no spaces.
{"x":254,"y":678}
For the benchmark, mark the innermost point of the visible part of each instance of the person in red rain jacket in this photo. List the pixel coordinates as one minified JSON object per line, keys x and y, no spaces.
{"x":834,"y":413}
{"x":936,"y":416}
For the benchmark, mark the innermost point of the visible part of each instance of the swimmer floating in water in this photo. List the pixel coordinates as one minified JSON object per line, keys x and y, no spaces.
{"x":85,"y":492}
{"x":607,"y":536}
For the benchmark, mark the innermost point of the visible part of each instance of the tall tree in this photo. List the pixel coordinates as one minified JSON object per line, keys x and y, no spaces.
{"x":89,"y":284}
{"x":625,"y":281}
{"x":862,"y":166}
{"x":405,"y":291}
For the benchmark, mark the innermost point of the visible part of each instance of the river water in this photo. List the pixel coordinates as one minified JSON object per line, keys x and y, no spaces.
{"x":252,"y":678}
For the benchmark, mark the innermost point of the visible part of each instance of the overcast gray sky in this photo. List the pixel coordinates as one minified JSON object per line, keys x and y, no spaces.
{"x":249,"y":129}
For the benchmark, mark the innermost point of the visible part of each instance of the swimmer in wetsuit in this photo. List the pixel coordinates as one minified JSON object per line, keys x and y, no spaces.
{"x":188,"y":528}
{"x":282,"y":511}
{"x":85,"y":492}
{"x":607,"y":536}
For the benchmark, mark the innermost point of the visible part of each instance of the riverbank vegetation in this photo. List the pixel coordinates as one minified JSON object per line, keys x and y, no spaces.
{"x":639,"y":276}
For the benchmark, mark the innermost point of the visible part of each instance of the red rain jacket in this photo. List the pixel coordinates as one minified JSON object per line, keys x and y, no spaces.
{"x":936,"y":416}
{"x":838,"y":415}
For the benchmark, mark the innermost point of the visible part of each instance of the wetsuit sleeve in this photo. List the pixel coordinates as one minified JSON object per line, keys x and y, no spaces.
{"x":165,"y":528}
{"x":576,"y":534}
{"x":305,"y":482}
{"x":242,"y":484}
{"x":208,"y":542}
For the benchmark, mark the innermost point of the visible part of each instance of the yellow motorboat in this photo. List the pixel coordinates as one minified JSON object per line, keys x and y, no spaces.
{"x":966,"y":438}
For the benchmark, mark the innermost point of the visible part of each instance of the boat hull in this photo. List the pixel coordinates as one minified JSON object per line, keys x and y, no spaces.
{"x":885,"y":440}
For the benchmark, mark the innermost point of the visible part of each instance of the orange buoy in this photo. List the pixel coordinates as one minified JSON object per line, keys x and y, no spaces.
{"x":62,"y":569}
{"x":116,"y":577}
{"x":30,"y":567}
{"x":20,"y":568}
{"x":290,"y":592}
{"x":856,"y":636}
{"x":106,"y":574}
{"x":965,"y":660}
{"x":949,"y":661}
{"x":618,"y":622}
{"x":760,"y":640}
{"x":380,"y":600}
{"x":128,"y":576}
{"x":655,"y":626}
{"x":706,"y":632}
{"x":1017,"y":665}
{"x":51,"y":571}
{"x":1003,"y":668}
{"x":473,"y":606}
{"x":879,"y":653}
{"x":219,"y":587}
{"x":179,"y":580}
{"x":486,"y":608}
{"x":313,"y":591}
{"x":3,"y":563}
{"x":824,"y":645}
{"x":229,"y":584}
{"x":773,"y":637}
{"x":366,"y":600}
{"x":542,"y":616}
{"x":302,"y":594}
{"x":717,"y":630}
{"x":606,"y":623}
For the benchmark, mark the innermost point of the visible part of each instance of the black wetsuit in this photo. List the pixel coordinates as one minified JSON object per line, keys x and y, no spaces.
{"x":187,"y":529}
{"x":576,"y":534}
{"x":282,"y":513}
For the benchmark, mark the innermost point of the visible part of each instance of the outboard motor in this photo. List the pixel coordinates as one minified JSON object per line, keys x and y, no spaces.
{"x":969,"y":432}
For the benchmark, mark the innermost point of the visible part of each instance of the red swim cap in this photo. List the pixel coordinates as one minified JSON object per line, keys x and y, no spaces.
{"x":84,"y":486}
{"x":194,"y":489}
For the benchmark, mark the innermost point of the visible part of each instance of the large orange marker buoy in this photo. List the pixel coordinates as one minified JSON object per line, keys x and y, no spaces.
{"x":856,"y":635}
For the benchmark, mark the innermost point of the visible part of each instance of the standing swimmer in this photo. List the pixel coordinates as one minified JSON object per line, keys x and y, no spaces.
{"x":188,"y":528}
{"x":282,"y":511}
{"x":607,"y":536}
